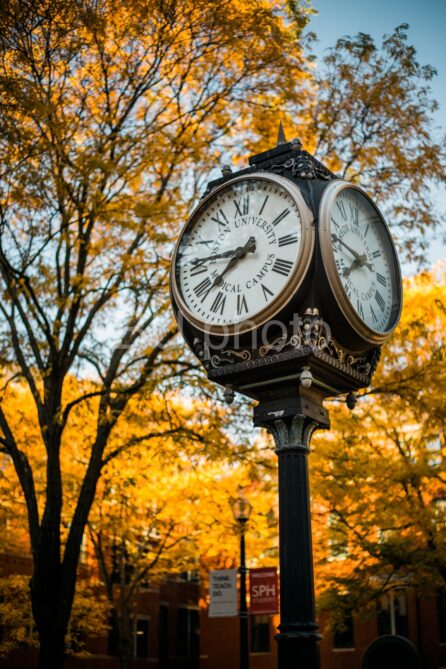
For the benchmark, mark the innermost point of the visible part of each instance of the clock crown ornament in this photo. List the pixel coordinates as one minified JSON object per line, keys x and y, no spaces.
{"x":284,"y":270}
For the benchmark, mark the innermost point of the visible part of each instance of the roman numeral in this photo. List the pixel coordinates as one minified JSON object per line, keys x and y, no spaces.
{"x":242,"y":206}
{"x":380,"y":300}
{"x":219,"y":303}
{"x":360,"y":309}
{"x":208,"y":243}
{"x":241,"y":304}
{"x":288,"y":239}
{"x":373,"y":314}
{"x":382,"y":279}
{"x":335,"y":239}
{"x":376,"y":254}
{"x":280,"y":217}
{"x":266,"y":292}
{"x":197,"y":269}
{"x":282,"y":266}
{"x":335,"y":223}
{"x":366,"y":230}
{"x":341,"y":208}
{"x":203,"y":287}
{"x":354,"y":213}
{"x":220,"y":218}
{"x":263,"y":205}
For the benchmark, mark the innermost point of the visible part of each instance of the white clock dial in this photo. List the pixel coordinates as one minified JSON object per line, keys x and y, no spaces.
{"x":360,"y":258}
{"x":240,"y":251}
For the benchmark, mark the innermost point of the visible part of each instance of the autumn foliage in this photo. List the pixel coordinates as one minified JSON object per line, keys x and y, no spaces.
{"x":112,"y":117}
{"x":379,"y":476}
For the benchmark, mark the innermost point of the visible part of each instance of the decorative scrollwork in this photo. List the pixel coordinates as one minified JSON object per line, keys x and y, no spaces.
{"x":230,"y":357}
{"x":277,"y":345}
{"x":365,"y":364}
{"x":304,"y":166}
{"x":309,"y":333}
{"x":359,"y":363}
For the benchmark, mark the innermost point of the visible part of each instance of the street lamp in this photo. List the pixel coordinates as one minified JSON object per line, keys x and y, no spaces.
{"x":241,"y":509}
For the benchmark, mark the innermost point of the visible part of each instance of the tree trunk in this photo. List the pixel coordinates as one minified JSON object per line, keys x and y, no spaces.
{"x":52,"y":649}
{"x":50,"y":615}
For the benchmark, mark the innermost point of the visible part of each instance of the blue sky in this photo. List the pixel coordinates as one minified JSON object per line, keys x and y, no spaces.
{"x":427,"y":33}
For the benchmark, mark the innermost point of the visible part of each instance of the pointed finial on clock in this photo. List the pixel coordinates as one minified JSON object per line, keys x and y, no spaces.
{"x":281,"y":139}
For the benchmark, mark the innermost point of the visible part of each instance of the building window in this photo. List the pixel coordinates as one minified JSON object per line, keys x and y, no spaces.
{"x":141,"y":648}
{"x":260,"y":636}
{"x":344,"y":636}
{"x":441,"y":615}
{"x":113,"y":637}
{"x":392,"y":615}
{"x":337,"y":538}
{"x":189,"y":635}
{"x":163,"y":638}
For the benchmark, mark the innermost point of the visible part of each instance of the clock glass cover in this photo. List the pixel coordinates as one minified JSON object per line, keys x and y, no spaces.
{"x":360,"y":260}
{"x":242,"y":254}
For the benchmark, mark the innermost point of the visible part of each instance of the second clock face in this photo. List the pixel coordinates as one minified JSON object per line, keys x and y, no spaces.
{"x":237,"y":258}
{"x":360,"y":258}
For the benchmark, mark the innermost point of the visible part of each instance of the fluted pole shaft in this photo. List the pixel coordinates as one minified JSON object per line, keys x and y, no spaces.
{"x":298,"y":646}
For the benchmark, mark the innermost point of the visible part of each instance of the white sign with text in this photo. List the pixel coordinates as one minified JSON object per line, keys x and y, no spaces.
{"x":223,"y":593}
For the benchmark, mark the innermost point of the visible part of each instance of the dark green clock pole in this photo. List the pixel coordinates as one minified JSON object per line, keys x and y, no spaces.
{"x":298,"y":638}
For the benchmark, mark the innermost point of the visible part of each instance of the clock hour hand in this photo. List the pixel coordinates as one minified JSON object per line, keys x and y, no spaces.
{"x":360,"y":258}
{"x":360,"y":261}
{"x":239,"y":253}
{"x":347,"y":270}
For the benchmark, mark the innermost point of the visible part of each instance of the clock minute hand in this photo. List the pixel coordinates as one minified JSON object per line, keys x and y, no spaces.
{"x":349,"y":248}
{"x":226,"y":254}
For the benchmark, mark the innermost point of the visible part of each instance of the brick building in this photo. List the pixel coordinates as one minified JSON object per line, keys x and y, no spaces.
{"x":171,"y":632}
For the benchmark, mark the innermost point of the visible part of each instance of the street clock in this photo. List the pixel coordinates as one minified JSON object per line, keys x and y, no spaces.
{"x":285,"y":284}
{"x":284,"y":269}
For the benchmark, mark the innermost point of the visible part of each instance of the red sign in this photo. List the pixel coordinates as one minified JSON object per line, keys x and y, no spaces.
{"x":263,"y":590}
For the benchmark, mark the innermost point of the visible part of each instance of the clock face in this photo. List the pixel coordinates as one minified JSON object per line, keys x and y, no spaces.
{"x":360,"y":260}
{"x":242,"y":254}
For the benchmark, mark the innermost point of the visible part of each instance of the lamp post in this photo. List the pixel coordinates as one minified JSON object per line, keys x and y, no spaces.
{"x":241,"y":509}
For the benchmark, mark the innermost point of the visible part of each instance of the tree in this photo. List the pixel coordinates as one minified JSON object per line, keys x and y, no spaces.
{"x":147,"y":523}
{"x":162,"y":500}
{"x":110,"y":113}
{"x":371,"y":122}
{"x":16,"y":618}
{"x":380,"y":476}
